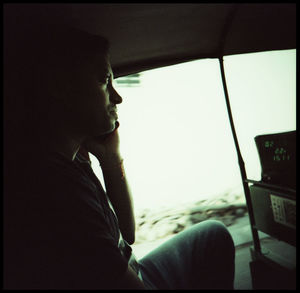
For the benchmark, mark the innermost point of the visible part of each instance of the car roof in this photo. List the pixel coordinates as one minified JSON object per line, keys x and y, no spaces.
{"x":150,"y":35}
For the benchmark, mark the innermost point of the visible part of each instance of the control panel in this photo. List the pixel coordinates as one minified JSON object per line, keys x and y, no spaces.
{"x":284,"y":210}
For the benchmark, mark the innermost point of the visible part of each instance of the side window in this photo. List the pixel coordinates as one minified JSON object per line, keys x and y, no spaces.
{"x":175,"y":134}
{"x":262,"y":90}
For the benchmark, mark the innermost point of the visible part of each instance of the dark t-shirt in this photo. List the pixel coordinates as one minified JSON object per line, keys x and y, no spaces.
{"x":60,"y":232}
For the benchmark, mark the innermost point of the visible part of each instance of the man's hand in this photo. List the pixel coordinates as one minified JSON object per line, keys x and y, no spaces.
{"x":105,"y":148}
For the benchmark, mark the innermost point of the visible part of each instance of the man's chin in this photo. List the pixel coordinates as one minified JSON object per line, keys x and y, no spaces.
{"x":113,"y":125}
{"x":109,"y":128}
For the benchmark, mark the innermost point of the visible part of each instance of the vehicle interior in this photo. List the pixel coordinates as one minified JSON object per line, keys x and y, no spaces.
{"x":152,"y":35}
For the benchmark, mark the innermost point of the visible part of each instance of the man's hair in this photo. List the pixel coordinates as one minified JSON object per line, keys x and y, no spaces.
{"x":35,"y":51}
{"x":52,"y":48}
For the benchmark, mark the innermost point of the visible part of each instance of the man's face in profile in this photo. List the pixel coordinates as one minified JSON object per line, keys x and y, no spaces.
{"x":91,"y":97}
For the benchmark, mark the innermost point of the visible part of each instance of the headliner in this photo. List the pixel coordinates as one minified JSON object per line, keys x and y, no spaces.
{"x":146,"y":36}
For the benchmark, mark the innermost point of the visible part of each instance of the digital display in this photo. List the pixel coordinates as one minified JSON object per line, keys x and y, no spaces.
{"x":279,"y":153}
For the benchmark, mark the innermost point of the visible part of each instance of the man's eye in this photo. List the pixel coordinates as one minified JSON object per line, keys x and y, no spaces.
{"x":105,"y":80}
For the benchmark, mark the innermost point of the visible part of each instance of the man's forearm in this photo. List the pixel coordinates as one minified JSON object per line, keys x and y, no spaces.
{"x":118,"y":192}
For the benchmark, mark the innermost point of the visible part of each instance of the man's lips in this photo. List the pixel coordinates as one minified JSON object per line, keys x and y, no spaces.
{"x":114,"y":113}
{"x":113,"y":109}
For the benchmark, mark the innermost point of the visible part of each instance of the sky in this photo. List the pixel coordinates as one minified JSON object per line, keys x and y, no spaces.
{"x":174,"y":129}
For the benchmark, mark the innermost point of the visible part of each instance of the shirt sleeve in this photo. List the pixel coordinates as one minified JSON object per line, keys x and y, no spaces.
{"x":83,"y":250}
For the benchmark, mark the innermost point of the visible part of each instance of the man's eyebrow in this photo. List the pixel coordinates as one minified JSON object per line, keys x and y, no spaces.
{"x":110,"y":73}
{"x":105,"y":72}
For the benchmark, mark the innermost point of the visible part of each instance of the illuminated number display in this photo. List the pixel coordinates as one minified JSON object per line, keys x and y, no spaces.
{"x":269,"y":143}
{"x":280,"y":153}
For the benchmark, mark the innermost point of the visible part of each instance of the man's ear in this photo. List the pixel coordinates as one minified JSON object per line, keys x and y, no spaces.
{"x":59,"y":88}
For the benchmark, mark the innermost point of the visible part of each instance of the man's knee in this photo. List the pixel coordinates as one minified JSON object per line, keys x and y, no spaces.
{"x":218,"y":233}
{"x":217,"y":226}
{"x":216,"y":266}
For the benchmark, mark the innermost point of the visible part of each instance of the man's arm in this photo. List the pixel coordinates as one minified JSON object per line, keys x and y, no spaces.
{"x":119,"y":194}
{"x":108,"y":154}
{"x":129,"y":280}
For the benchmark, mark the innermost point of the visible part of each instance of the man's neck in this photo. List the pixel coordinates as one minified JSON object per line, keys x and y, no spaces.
{"x":66,"y":145}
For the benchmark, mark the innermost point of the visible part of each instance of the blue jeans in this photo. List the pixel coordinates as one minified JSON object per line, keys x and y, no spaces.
{"x":200,"y":257}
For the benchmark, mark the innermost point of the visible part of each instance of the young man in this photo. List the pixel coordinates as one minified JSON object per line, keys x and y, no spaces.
{"x":62,"y":230}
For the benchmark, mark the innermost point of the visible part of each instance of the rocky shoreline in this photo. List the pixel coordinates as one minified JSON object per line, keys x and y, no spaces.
{"x":162,"y":222}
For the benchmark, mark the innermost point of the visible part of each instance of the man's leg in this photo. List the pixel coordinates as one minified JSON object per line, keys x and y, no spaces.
{"x":201,"y":257}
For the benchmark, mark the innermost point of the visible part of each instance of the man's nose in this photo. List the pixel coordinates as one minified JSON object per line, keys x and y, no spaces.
{"x":115,"y":97}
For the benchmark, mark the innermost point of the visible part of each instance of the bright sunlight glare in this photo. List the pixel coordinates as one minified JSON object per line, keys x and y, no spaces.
{"x":174,"y":129}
